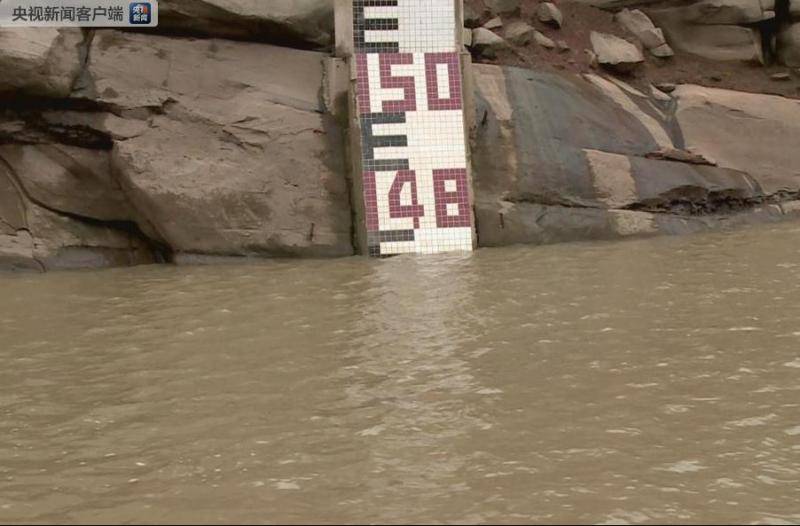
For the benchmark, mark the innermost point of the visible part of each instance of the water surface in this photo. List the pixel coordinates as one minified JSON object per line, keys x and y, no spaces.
{"x":644,"y":381}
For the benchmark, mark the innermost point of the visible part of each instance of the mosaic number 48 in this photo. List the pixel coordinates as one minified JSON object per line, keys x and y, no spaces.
{"x":410,"y":106}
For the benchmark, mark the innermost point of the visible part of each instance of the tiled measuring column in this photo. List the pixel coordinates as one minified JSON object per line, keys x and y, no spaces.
{"x":411,"y":113}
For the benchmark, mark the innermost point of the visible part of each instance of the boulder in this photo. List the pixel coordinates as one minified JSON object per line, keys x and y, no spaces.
{"x":307,"y":23}
{"x":548,"y":13}
{"x":271,"y":186}
{"x":39,"y":61}
{"x":715,"y":42}
{"x":519,"y":33}
{"x":591,"y":57}
{"x":543,"y":40}
{"x":487,"y":43}
{"x":789,"y":46}
{"x":639,"y":24}
{"x":662,"y":51}
{"x":239,"y":157}
{"x":615,"y":53}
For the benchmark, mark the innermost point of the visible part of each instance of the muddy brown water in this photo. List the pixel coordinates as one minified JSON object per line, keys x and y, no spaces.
{"x":644,"y":381}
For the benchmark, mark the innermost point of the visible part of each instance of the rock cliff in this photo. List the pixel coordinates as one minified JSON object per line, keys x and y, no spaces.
{"x":214,"y":137}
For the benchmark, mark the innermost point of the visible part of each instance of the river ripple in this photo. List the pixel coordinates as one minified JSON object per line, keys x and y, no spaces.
{"x":644,"y":381}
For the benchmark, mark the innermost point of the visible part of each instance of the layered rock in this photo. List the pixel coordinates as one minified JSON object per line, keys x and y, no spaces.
{"x":72,"y":181}
{"x":41,"y":221}
{"x":558,"y":158}
{"x":206,"y":147}
{"x":243,"y":160}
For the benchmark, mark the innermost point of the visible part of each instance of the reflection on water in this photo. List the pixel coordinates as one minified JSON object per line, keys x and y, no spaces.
{"x":646,"y":381}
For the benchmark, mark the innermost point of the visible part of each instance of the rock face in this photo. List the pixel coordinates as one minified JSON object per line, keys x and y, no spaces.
{"x":713,"y":121}
{"x":69,"y":180}
{"x":615,"y":53}
{"x":243,"y":160}
{"x":39,"y":61}
{"x":560,"y":158}
{"x":296,"y":22}
{"x":213,"y":148}
{"x":37,"y":235}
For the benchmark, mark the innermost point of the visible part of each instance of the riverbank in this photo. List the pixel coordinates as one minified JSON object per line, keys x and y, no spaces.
{"x":220,"y":137}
